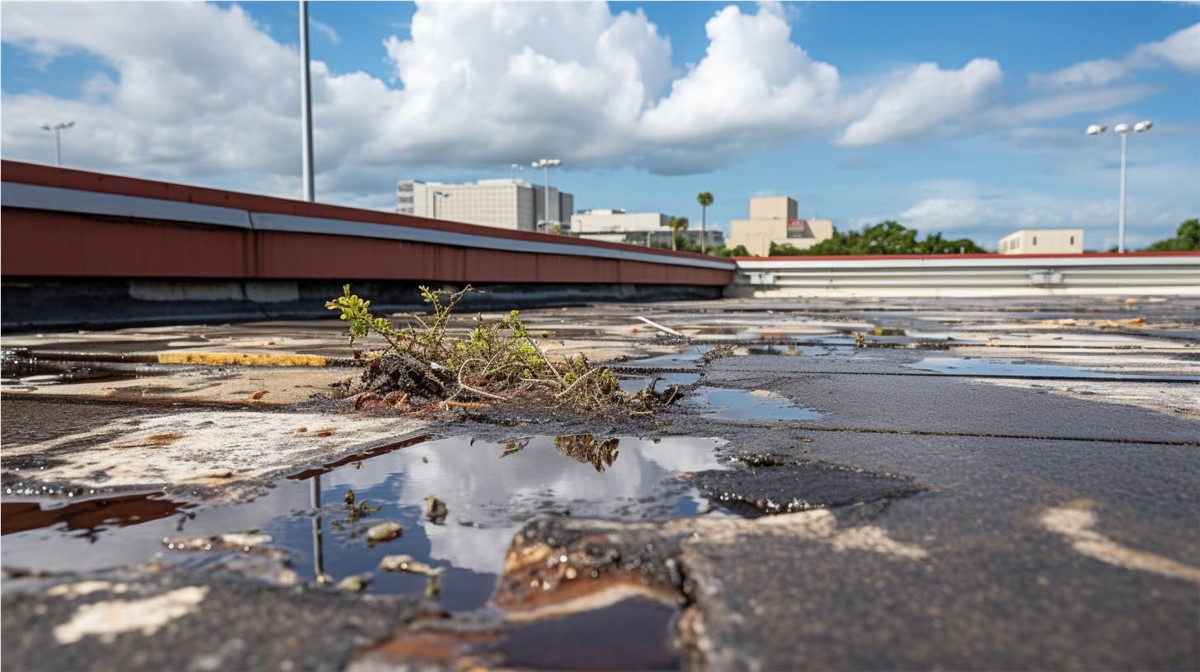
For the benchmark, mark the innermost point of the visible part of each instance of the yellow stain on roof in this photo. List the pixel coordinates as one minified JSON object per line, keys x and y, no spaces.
{"x":240,"y":359}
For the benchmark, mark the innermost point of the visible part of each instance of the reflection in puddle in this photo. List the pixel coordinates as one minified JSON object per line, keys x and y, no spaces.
{"x":635,"y":634}
{"x":88,"y":515}
{"x":799,"y":350}
{"x":487,"y":489}
{"x":18,"y":369}
{"x":973,"y":366}
{"x":759,"y":405}
{"x":639,"y":383}
{"x":688,"y":359}
{"x":944,"y":336}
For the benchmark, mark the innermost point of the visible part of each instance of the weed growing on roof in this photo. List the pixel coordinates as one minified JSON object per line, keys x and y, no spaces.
{"x":496,"y":361}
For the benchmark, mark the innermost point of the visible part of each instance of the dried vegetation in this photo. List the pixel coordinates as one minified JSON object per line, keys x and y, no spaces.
{"x":425,"y":366}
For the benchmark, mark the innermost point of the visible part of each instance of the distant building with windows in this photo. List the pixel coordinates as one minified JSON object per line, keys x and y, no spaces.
{"x":504,"y":204}
{"x":1042,"y":241}
{"x":636,"y":228}
{"x":775,"y":219}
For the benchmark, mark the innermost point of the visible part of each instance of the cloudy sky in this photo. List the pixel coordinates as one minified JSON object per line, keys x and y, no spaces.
{"x":965,"y":118}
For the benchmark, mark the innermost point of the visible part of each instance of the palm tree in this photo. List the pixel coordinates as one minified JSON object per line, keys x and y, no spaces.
{"x":705,"y":199}
{"x":677,"y":224}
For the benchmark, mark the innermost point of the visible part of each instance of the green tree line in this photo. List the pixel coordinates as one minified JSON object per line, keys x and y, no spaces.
{"x":1186,"y":239}
{"x":892,"y":238}
{"x":883,"y":238}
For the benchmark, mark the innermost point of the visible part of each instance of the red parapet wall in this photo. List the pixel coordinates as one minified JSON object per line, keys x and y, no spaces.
{"x":75,"y":242}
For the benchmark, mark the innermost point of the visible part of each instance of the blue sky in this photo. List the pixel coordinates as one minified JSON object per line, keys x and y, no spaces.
{"x":964,"y":118}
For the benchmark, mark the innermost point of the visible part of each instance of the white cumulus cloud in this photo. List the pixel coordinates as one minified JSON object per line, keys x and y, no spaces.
{"x":924,"y":97}
{"x":492,"y":82}
{"x":753,"y":84}
{"x":201,"y":92}
{"x":1180,"y":49}
{"x":1099,"y":72}
{"x":947,"y":214}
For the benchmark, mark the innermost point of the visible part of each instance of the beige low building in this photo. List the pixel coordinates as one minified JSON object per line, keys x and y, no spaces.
{"x":637,"y":228}
{"x":775,"y":219}
{"x":1042,"y":241}
{"x":618,"y":226}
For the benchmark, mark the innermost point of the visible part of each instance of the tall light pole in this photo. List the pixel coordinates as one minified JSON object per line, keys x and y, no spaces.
{"x":512,"y":174}
{"x":306,"y":148}
{"x":546,"y":165}
{"x":1123,"y":131}
{"x":436,"y":196}
{"x":58,"y":128}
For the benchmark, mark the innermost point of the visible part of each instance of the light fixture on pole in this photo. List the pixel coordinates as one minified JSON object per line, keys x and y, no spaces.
{"x":512,"y":173}
{"x":1123,"y":131}
{"x":436,"y":196}
{"x":58,"y":128}
{"x":546,"y":165}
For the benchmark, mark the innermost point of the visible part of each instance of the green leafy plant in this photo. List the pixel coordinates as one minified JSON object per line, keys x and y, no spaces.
{"x":494,"y":361}
{"x":362,"y":322}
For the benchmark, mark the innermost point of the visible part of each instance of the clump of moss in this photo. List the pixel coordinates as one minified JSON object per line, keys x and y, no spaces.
{"x":495,"y":362}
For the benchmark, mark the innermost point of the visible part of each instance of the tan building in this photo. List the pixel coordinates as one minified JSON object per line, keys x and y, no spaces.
{"x":1042,"y":241}
{"x":775,"y":219}
{"x":504,"y":204}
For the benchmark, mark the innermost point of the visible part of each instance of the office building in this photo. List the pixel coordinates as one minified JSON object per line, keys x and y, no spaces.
{"x":504,"y":204}
{"x":775,"y":219}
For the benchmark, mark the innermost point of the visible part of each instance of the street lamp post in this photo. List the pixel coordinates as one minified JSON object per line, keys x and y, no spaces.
{"x":306,"y":132}
{"x":546,"y":165}
{"x":512,"y":173}
{"x":58,"y":128}
{"x":1123,"y":131}
{"x":436,"y":196}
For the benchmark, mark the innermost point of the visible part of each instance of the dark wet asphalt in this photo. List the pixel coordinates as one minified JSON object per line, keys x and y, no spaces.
{"x":239,"y":625}
{"x":879,"y":394}
{"x":998,"y":590}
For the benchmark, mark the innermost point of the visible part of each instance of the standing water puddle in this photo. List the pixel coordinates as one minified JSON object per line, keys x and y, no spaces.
{"x":800,"y":350}
{"x":973,"y":366}
{"x":757,"y":405}
{"x":20,"y":370}
{"x":488,"y":490}
{"x":687,"y":359}
{"x":637,"y":384}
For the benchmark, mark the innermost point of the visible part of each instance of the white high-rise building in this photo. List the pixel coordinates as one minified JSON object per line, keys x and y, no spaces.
{"x":504,"y":204}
